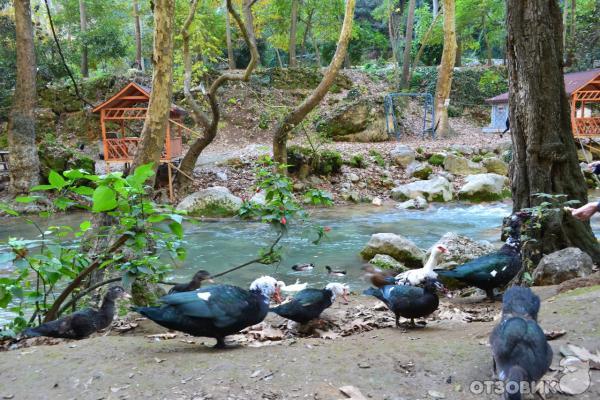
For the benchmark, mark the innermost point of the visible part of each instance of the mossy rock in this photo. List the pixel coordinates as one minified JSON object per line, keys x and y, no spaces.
{"x":145,"y":293}
{"x":59,"y":158}
{"x":325,"y":162}
{"x":436,"y":159}
{"x":385,"y":261}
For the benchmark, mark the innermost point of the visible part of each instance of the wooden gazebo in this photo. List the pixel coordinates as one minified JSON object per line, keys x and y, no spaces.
{"x":121,"y":120}
{"x":583,"y":89}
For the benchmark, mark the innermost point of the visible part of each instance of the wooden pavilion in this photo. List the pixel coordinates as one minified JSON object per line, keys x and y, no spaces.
{"x":583,"y":89}
{"x":121,"y":121}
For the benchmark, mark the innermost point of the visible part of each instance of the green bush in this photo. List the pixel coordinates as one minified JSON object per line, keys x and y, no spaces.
{"x":356,"y":161}
{"x":324,"y":162}
{"x":477,"y":158}
{"x":377,"y":157}
{"x":436,"y":159}
{"x":328,"y":162}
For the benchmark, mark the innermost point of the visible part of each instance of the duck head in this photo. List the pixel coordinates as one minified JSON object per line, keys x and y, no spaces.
{"x":338,"y":289}
{"x":117,"y":292}
{"x":268,"y":286}
{"x":433,"y":285}
{"x":438,"y":250}
{"x":202,"y":276}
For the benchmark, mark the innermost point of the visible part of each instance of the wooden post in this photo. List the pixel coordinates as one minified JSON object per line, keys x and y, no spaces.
{"x":104,"y":143}
{"x":171,"y":195}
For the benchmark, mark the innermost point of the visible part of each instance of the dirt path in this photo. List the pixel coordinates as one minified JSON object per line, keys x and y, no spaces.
{"x":440,"y":360}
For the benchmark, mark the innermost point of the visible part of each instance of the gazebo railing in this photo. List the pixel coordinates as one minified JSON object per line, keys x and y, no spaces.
{"x":586,"y":126}
{"x":123,"y":149}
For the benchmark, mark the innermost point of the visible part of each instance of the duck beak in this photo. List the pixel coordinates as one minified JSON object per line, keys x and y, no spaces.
{"x":442,"y":289}
{"x":277,"y":295}
{"x":345,"y":296}
{"x":210,"y":280}
{"x":127,"y":295}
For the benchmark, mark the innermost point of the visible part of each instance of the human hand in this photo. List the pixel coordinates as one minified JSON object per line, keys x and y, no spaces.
{"x":584,"y":213}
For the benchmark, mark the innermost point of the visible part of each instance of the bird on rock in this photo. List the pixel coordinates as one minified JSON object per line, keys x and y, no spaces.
{"x":81,"y":323}
{"x":415,"y":277}
{"x":195,"y":283}
{"x":215,"y":311}
{"x":308,"y":304}
{"x":409,"y":301}
{"x":493,"y":270}
{"x":520,"y":350}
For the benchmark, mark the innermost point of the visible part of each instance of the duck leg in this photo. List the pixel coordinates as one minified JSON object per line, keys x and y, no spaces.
{"x":220,"y":343}
{"x":397,"y":321}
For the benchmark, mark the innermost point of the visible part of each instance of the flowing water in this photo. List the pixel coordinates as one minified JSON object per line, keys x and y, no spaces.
{"x":217,"y":246}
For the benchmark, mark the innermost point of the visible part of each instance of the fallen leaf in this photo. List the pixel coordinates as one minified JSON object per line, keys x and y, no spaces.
{"x":436,"y":395}
{"x":162,"y":336}
{"x":551,"y":335}
{"x":352,"y":393}
{"x":159,"y":360}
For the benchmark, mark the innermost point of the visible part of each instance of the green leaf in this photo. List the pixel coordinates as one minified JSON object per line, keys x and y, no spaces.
{"x":73,"y":174}
{"x":177,"y":229}
{"x":56,"y":180}
{"x":26,"y":199}
{"x":41,"y":187}
{"x":156,"y":218}
{"x":84,"y":190}
{"x":85,"y":225}
{"x":104,"y":199}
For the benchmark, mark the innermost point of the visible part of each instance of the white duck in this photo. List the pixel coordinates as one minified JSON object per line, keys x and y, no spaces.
{"x":417,"y":276}
{"x":296,"y":287}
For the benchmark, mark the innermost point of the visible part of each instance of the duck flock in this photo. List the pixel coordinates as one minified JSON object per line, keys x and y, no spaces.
{"x":519,"y":347}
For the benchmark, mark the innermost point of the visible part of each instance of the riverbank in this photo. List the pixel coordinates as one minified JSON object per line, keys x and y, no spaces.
{"x":439,"y":361}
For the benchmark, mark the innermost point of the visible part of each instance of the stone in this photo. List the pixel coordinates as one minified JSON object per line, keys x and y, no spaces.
{"x":461,"y":249}
{"x":259,"y":198}
{"x":353,"y":177}
{"x":495,"y":165}
{"x":413,"y":204}
{"x":377,"y":201}
{"x":561,"y":266}
{"x":419,"y":170}
{"x":484,"y":187}
{"x":436,"y":189}
{"x":222,"y":176}
{"x":351,"y":195}
{"x":79,"y":124}
{"x":384,"y":261}
{"x":458,"y":165}
{"x":403,"y":155}
{"x":396,"y":246}
{"x":216,"y":201}
{"x":358,"y":120}
{"x":57,"y":157}
{"x":45,"y":121}
{"x":446,"y":175}
{"x":463,"y":149}
{"x":299,"y":186}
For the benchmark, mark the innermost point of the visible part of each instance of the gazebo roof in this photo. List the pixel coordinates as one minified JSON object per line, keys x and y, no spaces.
{"x":574,"y":81}
{"x":131,"y":95}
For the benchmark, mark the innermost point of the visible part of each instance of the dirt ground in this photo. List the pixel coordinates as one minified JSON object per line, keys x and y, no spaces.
{"x":439,"y":361}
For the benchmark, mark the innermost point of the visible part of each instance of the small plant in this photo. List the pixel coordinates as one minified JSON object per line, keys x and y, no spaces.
{"x":356,"y":161}
{"x":420,"y":150}
{"x":436,"y":159}
{"x":477,"y":159}
{"x":377,"y":157}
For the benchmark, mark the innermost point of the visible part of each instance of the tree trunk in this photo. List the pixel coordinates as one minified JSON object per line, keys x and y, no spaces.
{"x":300,"y":112}
{"x":84,"y":49}
{"x":279,"y":60}
{"x":24,"y":162}
{"x":458,"y":62}
{"x":444,"y":82}
{"x":544,"y":151}
{"x":139,"y":59}
{"x":316,"y":47}
{"x":408,"y":44}
{"x":230,"y":56}
{"x":293,"y":31}
{"x":435,"y":9}
{"x":152,"y":141}
{"x":249,"y":20}
{"x":571,"y":42}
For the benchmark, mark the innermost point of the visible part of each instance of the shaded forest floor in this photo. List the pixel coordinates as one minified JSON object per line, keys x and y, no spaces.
{"x":439,"y":361}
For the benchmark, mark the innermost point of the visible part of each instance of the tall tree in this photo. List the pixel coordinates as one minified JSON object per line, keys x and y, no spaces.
{"x":24,"y":162}
{"x":210,"y":123}
{"x":139,"y":59}
{"x":293,"y":33}
{"x":152,"y":141}
{"x":435,"y":8}
{"x":444,"y":81}
{"x":84,"y":48}
{"x":544,"y":151}
{"x":296,"y":116}
{"x":408,"y":43}
{"x":230,"y":56}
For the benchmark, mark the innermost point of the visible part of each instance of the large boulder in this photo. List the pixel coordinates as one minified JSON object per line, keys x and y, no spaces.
{"x":354,"y":121}
{"x":216,"y":201}
{"x":461,"y":249}
{"x":57,"y":157}
{"x":495,"y":166}
{"x":396,"y":246}
{"x":45,"y":121}
{"x":403,"y":155}
{"x":561,"y":266}
{"x":79,"y":125}
{"x":418,"y":203}
{"x":384,"y":261}
{"x":484,"y":187}
{"x":458,"y":165}
{"x":435,"y":189}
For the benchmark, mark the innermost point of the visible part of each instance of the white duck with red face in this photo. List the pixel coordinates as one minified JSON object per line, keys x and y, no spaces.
{"x":417,"y":276}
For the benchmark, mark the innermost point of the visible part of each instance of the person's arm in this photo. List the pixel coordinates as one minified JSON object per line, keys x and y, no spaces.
{"x":584,"y":213}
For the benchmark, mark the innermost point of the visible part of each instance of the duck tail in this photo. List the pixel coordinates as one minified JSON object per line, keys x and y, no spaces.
{"x":30,"y":332}
{"x":512,"y":385}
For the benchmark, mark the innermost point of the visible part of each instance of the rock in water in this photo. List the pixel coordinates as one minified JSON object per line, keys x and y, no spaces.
{"x":458,"y":165}
{"x":461,"y":249}
{"x":396,"y":246}
{"x":214,"y":201}
{"x":562,"y":265}
{"x":435,"y":189}
{"x":484,"y":187}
